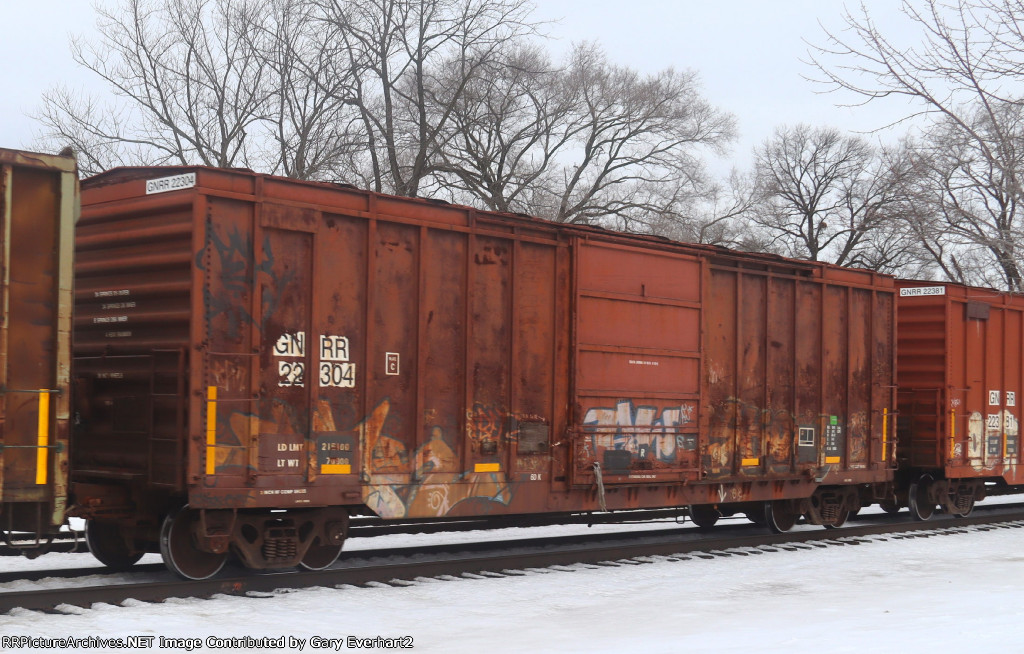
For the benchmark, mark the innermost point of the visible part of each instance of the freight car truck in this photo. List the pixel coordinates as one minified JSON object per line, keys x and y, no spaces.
{"x":39,"y":195}
{"x":257,"y":359}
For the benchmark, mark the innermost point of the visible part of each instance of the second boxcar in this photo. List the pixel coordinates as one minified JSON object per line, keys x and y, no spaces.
{"x":961,"y":350}
{"x":261,"y":358}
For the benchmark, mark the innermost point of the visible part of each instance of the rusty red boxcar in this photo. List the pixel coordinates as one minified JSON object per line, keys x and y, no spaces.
{"x":246,"y":344}
{"x":731,"y":379}
{"x":40,"y":203}
{"x":961,"y":372}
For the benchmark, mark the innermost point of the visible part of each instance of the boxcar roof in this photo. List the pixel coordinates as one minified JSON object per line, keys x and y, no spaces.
{"x":93,"y":192}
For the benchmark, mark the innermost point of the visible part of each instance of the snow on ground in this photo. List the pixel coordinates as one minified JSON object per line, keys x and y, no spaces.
{"x":947,"y":593}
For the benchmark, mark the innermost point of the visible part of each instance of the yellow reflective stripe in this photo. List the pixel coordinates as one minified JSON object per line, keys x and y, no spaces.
{"x":832,"y":459}
{"x":43,"y":435}
{"x":487,"y":467}
{"x":952,"y":433}
{"x":211,"y":429}
{"x":336,"y":469}
{"x":751,"y":462}
{"x":885,"y":433}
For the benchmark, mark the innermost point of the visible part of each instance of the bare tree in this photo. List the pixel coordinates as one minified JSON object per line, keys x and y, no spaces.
{"x":633,"y":134}
{"x":506,"y":130}
{"x":101,"y":135}
{"x":718,"y":215}
{"x":969,"y":206}
{"x":894,"y":246}
{"x":315,"y":133}
{"x":822,"y":193}
{"x":589,"y":142}
{"x":965,"y":76}
{"x":395,"y":52}
{"x":402,"y":96}
{"x":188,"y":86}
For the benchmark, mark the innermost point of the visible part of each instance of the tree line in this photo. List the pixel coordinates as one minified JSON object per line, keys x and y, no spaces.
{"x":461,"y":100}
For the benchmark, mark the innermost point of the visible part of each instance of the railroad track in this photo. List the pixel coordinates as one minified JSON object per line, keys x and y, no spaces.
{"x":74,"y":541}
{"x":499,"y":558}
{"x":365,"y":557}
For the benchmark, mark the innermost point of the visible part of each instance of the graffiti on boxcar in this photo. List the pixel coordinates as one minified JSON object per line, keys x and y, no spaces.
{"x":858,"y":436}
{"x":485,"y":419}
{"x":229,"y":456}
{"x":431,"y":491}
{"x":233,"y":256}
{"x":992,"y":439}
{"x":760,"y":430}
{"x":234,"y":281}
{"x":742,"y":430}
{"x":781,"y":428}
{"x":434,"y":488}
{"x":277,"y":428}
{"x":975,"y":439}
{"x":484,"y":426}
{"x":735,"y":430}
{"x":645,"y":431}
{"x":277,"y":282}
{"x":227,"y":374}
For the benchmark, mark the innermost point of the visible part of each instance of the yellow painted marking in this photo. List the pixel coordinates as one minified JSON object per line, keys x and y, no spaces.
{"x":751,"y":462}
{"x":211,"y":429}
{"x":832,"y":459}
{"x":336,"y":469}
{"x":952,"y":433}
{"x":487,"y":467}
{"x":43,"y":435}
{"x":885,"y":433}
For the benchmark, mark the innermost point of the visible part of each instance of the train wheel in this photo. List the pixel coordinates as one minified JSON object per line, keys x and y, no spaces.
{"x":839,"y":520}
{"x":963,"y":513}
{"x":961,"y":509}
{"x":179,"y":551}
{"x":704,"y":516}
{"x":318,"y":557}
{"x":889,"y":507}
{"x":921,"y":507}
{"x":107,"y":544}
{"x":780,"y":516}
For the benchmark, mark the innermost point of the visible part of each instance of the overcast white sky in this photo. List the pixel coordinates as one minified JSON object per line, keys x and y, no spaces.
{"x":747,"y":53}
